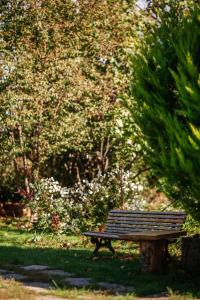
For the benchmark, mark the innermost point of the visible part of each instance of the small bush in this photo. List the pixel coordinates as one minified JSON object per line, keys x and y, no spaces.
{"x":85,"y":206}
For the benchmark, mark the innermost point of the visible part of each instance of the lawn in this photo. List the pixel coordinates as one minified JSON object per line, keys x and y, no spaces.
{"x":74,"y":254}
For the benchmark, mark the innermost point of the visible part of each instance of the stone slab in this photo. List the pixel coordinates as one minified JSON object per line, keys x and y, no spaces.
{"x":14,"y":276}
{"x":58,"y":273}
{"x":114,"y":287}
{"x":78,"y":282}
{"x":3,"y":271}
{"x":35,"y":268}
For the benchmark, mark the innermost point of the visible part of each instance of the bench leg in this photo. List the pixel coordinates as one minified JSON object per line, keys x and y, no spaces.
{"x":109,"y":246}
{"x":99,"y":243}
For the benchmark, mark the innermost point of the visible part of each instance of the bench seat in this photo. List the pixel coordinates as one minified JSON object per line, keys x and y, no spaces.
{"x":101,"y":235}
{"x":122,"y":222}
{"x":153,"y":230}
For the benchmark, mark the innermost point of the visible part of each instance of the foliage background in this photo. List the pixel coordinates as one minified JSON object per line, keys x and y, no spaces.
{"x":64,"y":79}
{"x":64,"y":68}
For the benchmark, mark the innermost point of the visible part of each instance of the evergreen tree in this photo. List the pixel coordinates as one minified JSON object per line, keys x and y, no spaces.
{"x":166,"y":91}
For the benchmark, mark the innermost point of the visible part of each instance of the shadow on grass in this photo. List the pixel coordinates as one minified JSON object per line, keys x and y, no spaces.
{"x":106,"y":268}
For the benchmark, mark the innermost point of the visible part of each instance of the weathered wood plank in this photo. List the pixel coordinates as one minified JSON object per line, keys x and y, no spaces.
{"x":101,"y":235}
{"x":147,"y":212}
{"x":138,"y":235}
{"x":152,"y":223}
{"x":118,"y":230}
{"x":133,"y":223}
{"x":152,"y":235}
{"x":146,"y":216}
{"x":121,"y":231}
{"x":134,"y":220}
{"x":143,"y":227}
{"x":129,"y":226}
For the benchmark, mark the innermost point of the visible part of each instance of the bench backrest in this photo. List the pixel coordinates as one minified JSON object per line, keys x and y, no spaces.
{"x":124,"y":221}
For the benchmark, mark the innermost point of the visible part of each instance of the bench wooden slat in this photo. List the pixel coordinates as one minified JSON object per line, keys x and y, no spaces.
{"x":153,"y":235}
{"x":101,"y":234}
{"x":119,"y":231}
{"x":135,"y":220}
{"x":150,"y":223}
{"x":147,"y":212}
{"x":148,"y":219}
{"x":143,"y":221}
{"x":120,"y":226}
{"x":146,"y":216}
{"x":111,"y":234}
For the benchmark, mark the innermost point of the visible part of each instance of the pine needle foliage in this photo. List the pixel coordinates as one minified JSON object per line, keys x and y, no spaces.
{"x":166,"y":97}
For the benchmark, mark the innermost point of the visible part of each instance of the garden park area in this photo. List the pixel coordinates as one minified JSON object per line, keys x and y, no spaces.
{"x":26,"y":255}
{"x":99,"y":142}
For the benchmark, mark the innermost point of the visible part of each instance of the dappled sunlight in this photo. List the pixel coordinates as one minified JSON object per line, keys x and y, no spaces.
{"x":123,"y":269}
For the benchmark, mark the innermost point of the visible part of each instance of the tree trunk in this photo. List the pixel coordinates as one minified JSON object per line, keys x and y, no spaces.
{"x":121,"y":185}
{"x":16,"y":168}
{"x":24,"y":158}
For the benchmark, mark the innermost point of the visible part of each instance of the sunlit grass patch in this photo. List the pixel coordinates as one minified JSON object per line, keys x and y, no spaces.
{"x":84,"y":294}
{"x":10,"y":289}
{"x":73,"y":254}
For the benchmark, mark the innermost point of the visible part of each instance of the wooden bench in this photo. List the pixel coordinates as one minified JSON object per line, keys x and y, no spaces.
{"x":153,"y":230}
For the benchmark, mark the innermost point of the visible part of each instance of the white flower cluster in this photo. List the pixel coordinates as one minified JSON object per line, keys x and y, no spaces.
{"x":53,"y":207}
{"x":84,"y":205}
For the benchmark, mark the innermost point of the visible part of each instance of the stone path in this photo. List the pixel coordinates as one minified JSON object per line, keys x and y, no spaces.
{"x":40,"y":278}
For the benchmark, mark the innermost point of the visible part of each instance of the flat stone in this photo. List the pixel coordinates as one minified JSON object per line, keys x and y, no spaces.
{"x":3,"y":271}
{"x":14,"y":276}
{"x":78,"y":282}
{"x":117,"y":288}
{"x":38,"y":287}
{"x":56,"y":273}
{"x":35,"y":268}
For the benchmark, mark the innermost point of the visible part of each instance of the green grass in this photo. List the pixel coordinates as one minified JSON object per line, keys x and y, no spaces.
{"x":73,"y":254}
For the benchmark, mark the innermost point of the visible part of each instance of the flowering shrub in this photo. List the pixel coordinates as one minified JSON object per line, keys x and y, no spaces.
{"x":107,"y":192}
{"x":52,"y":208}
{"x":85,"y":206}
